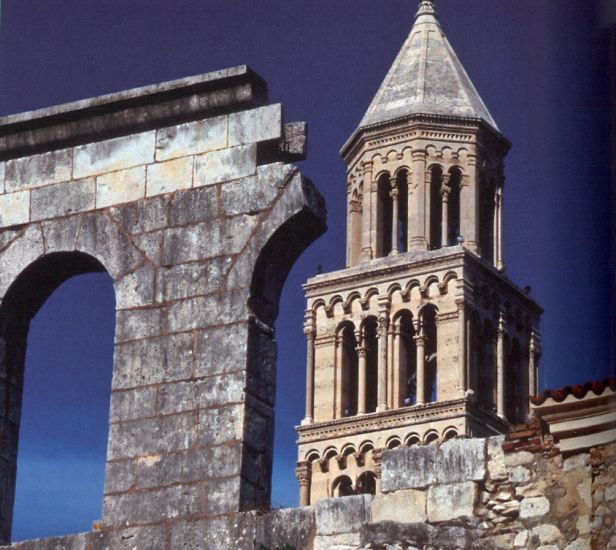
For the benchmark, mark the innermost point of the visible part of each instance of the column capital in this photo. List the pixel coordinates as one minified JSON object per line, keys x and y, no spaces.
{"x":361,"y":351}
{"x":462,"y":304}
{"x":420,"y":339}
{"x":502,"y":325}
{"x":303,"y":472}
{"x":366,"y":166}
{"x":419,"y":154}
{"x":377,"y":458}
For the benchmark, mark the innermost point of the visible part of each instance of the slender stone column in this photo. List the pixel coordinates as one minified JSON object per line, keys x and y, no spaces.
{"x":500,"y":264}
{"x":366,"y":216}
{"x":462,"y":374}
{"x":394,"y":218}
{"x":421,"y":368}
{"x":445,"y":211}
{"x":382,"y":361}
{"x":533,"y":364}
{"x":469,"y":206}
{"x":377,"y":460}
{"x":309,"y":331}
{"x":495,"y":230}
{"x":361,"y":379}
{"x":303,"y":472}
{"x":416,"y":204}
{"x":338,"y":401}
{"x":500,"y":368}
{"x":392,"y":367}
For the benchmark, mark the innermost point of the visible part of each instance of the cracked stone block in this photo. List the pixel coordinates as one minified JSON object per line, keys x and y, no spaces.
{"x":342,"y":515}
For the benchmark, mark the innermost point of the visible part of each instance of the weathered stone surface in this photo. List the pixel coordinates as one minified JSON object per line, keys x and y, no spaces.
{"x":193,"y":206}
{"x":143,"y":216}
{"x":342,"y":515}
{"x":256,"y":192}
{"x":293,"y":527}
{"x":192,"y":138}
{"x":255,"y":125}
{"x":221,"y":350}
{"x":151,"y":537}
{"x":119,"y":476}
{"x":225,"y":165}
{"x":419,"y":467}
{"x":194,"y":279}
{"x":201,"y":312}
{"x":24,"y":250}
{"x":216,"y":426}
{"x":518,"y":459}
{"x":62,"y":199}
{"x":150,"y":436}
{"x":141,"y":507}
{"x":70,"y":542}
{"x":237,"y":532}
{"x":343,"y":541}
{"x":136,"y":289}
{"x":402,"y":506}
{"x":519,"y":474}
{"x":580,"y":544}
{"x":136,"y":324}
{"x":547,"y":533}
{"x":496,"y":458}
{"x":2,"y":174}
{"x":120,"y":187}
{"x":388,"y":534}
{"x":14,"y":208}
{"x":534,"y":506}
{"x":170,"y":176}
{"x":114,"y":154}
{"x":38,"y":170}
{"x":447,"y":502}
{"x":132,"y":404}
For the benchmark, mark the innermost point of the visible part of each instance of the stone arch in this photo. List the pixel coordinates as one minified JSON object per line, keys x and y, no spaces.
{"x":369,"y":343}
{"x":366,"y":483}
{"x":428,"y":315}
{"x":384,"y":215}
{"x":405,"y":357}
{"x":21,"y":301}
{"x":342,"y":487}
{"x":393,"y":442}
{"x":346,"y":341}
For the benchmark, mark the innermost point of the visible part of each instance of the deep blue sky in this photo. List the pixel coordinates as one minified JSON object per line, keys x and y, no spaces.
{"x":541,"y":67}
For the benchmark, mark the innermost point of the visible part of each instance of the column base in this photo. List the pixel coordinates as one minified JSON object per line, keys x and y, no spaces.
{"x":381,"y":408}
{"x":306,"y":421}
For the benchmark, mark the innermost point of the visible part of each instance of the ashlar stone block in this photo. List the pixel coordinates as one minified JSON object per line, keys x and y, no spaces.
{"x":255,"y":125}
{"x":2,"y":172}
{"x":342,"y":515}
{"x":225,"y":165}
{"x":192,"y":138}
{"x":455,"y":500}
{"x":402,"y":507}
{"x":14,"y":208}
{"x":38,"y":170}
{"x":166,"y":177}
{"x":115,"y":154}
{"x":455,"y":461}
{"x":62,"y":199}
{"x":120,"y":187}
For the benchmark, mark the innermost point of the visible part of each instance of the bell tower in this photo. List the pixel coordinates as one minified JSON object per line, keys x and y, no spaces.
{"x":422,"y":337}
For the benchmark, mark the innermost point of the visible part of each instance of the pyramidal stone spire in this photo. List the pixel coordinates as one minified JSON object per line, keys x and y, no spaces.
{"x":426,"y":78}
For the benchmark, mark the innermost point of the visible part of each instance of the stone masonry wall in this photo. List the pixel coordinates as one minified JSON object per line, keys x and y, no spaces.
{"x":461,"y":494}
{"x":184,"y":194}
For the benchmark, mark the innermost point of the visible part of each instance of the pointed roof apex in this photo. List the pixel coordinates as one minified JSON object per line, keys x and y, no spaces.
{"x":426,"y":78}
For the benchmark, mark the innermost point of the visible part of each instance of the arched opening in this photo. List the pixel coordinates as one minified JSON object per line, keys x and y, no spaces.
{"x":56,"y":350}
{"x":431,"y":438}
{"x":403,"y":211}
{"x":393,"y":443}
{"x":486,"y":368}
{"x":349,"y":366}
{"x":512,"y":382}
{"x":412,"y":439}
{"x":366,"y":484}
{"x":429,"y":327}
{"x":384,"y":216}
{"x":406,"y":394}
{"x":371,"y":343}
{"x":486,"y":220}
{"x":453,"y":211}
{"x":342,"y":487}
{"x":436,"y":207}
{"x":450,"y":434}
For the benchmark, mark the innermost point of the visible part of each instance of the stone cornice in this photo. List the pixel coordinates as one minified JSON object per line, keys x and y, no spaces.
{"x":373,"y":422}
{"x":131,"y":111}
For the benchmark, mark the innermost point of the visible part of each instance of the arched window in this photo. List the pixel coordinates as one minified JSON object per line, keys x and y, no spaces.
{"x":384,"y":216}
{"x":486,"y":391}
{"x":61,"y":306}
{"x":428,"y":323}
{"x":366,"y":484}
{"x":405,"y":393}
{"x":403,"y":212}
{"x":453,"y":212}
{"x":349,"y":374}
{"x":342,"y":487}
{"x":371,"y":343}
{"x":436,"y":207}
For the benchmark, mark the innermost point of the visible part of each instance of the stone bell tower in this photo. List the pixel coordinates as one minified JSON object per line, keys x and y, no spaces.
{"x":422,"y":337}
